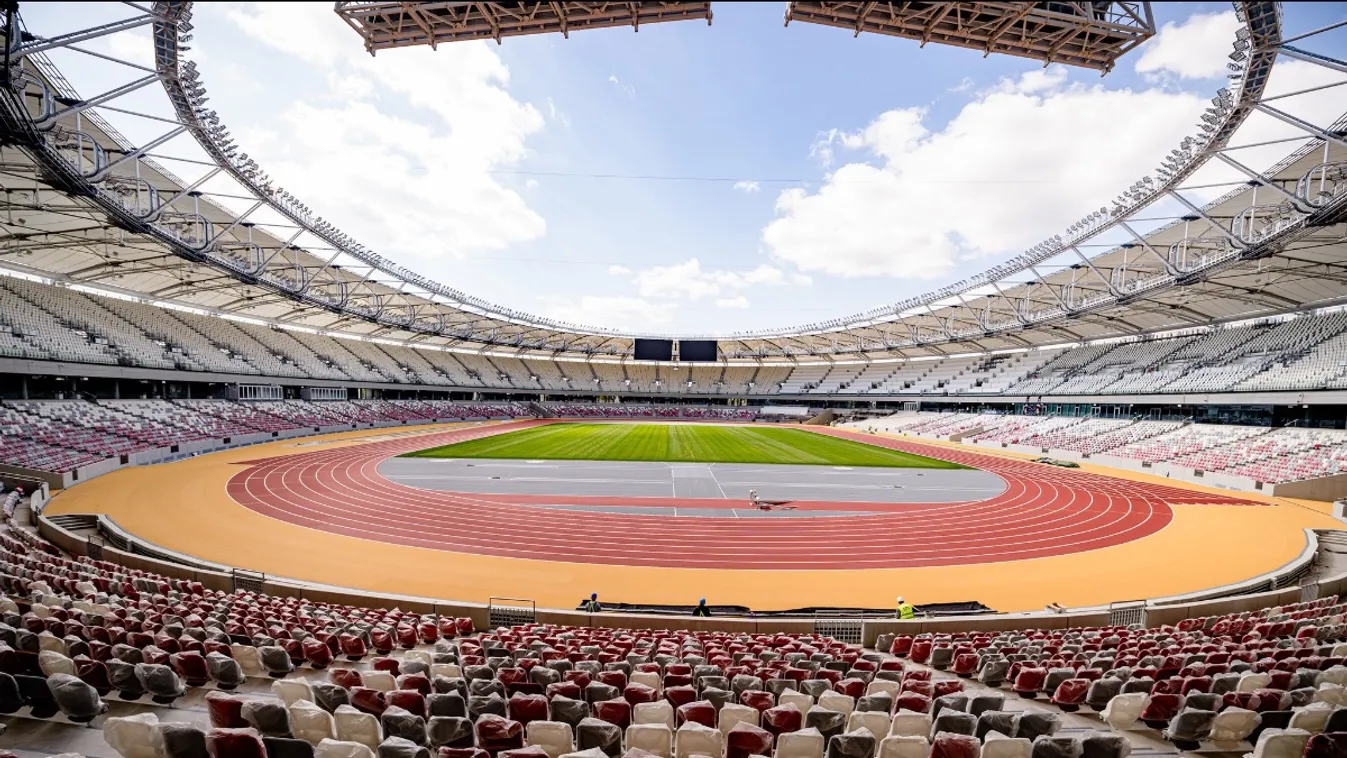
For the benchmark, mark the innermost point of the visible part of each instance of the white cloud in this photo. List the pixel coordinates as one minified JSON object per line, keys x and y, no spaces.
{"x":747,"y":186}
{"x":688,"y":281}
{"x":629,"y":312}
{"x":556,"y":114}
{"x":616,"y":270}
{"x":1193,"y":49}
{"x":1039,"y":80}
{"x":436,"y":199}
{"x":740,"y":302}
{"x":1005,"y":172}
{"x":349,"y":87}
{"x":134,"y":47}
{"x":629,"y":90}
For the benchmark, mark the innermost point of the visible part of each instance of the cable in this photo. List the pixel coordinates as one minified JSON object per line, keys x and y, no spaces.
{"x":724,"y":179}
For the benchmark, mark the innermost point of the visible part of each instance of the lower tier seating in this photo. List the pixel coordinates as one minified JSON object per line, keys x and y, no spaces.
{"x":84,"y":642}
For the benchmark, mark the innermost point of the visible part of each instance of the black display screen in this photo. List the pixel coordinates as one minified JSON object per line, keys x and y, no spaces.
{"x":697,"y":351}
{"x":654,"y":350}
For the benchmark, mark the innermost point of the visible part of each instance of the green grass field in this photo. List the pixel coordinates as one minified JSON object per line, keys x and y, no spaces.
{"x":679,"y":443}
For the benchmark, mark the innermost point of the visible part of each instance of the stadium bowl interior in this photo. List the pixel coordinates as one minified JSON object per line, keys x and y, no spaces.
{"x":258,"y":503}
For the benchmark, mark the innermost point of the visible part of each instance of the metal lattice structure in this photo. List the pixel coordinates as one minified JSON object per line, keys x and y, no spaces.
{"x":1087,"y":34}
{"x":385,"y":25}
{"x":85,"y":206}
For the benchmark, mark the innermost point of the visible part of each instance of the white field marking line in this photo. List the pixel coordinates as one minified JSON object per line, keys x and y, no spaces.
{"x":710,"y":469}
{"x":684,"y":559}
{"x":364,"y":468}
{"x":489,"y":503}
{"x":955,"y":508}
{"x":904,"y":488}
{"x":1041,"y":506}
{"x":530,"y":479}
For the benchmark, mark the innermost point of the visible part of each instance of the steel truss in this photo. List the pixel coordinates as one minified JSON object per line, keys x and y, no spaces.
{"x":385,"y":25}
{"x":1087,"y":34}
{"x":1257,"y":250}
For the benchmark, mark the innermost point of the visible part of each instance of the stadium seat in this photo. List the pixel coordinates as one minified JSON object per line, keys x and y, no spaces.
{"x":656,"y":739}
{"x":554,"y":737}
{"x":353,"y":725}
{"x":183,"y":740}
{"x":235,"y":743}
{"x":697,"y":739}
{"x":997,"y":745}
{"x":311,"y":723}
{"x":76,"y":699}
{"x":804,"y":743}
{"x":744,"y":740}
{"x":1233,"y":725}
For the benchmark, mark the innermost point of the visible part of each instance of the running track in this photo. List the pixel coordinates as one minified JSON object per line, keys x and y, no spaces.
{"x":1044,"y":511}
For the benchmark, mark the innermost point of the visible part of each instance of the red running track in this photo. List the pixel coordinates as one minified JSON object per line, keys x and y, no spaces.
{"x":1044,"y":511}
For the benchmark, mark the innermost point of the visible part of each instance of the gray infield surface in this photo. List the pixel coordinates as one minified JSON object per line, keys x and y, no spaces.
{"x":730,"y":481}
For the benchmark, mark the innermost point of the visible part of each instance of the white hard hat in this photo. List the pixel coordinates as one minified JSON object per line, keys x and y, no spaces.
{"x":900,"y":598}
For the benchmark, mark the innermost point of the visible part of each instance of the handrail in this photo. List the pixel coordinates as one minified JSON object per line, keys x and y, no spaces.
{"x":1186,"y":604}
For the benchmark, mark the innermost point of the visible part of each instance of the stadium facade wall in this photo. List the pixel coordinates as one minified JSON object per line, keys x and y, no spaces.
{"x":1324,"y":488}
{"x":17,"y":474}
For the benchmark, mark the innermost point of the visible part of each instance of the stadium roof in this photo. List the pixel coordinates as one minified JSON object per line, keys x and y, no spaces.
{"x":385,"y":25}
{"x":1091,"y":35}
{"x":86,"y":207}
{"x":1088,"y":34}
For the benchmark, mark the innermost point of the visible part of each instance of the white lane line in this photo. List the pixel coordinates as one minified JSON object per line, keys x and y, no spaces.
{"x":905,"y":487}
{"x":712,"y":472}
{"x":535,"y":479}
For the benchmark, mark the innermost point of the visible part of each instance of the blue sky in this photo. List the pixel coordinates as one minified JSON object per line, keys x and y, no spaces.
{"x":797,"y":173}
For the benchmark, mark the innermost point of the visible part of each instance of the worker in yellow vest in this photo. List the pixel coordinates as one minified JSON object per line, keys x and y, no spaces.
{"x":905,"y":610}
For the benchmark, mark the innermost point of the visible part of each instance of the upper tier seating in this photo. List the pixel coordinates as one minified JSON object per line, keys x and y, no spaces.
{"x":75,"y":316}
{"x":46,"y":322}
{"x":1000,"y":372}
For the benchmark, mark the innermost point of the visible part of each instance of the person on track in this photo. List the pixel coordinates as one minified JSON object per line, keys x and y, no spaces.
{"x":592,"y":604}
{"x":701,"y":609}
{"x":905,"y":609}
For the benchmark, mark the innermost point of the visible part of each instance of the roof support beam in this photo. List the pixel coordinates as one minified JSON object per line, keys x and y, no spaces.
{"x":1315,"y":58}
{"x":1304,"y":126}
{"x":138,"y":152}
{"x":1169,"y":267}
{"x":1263,"y":181}
{"x":1236,"y":241}
{"x":83,"y":35}
{"x":1090,"y":264}
{"x":78,"y":108}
